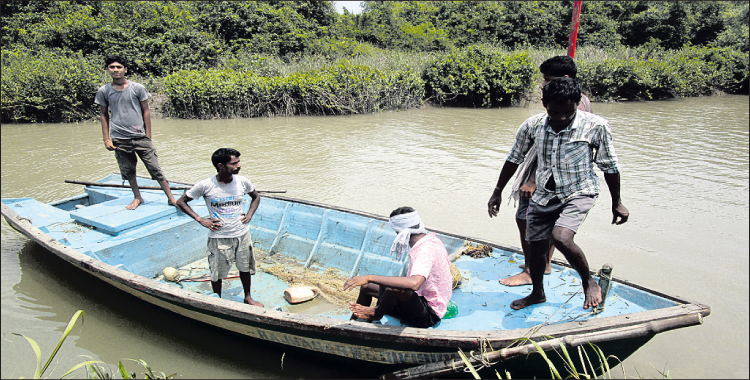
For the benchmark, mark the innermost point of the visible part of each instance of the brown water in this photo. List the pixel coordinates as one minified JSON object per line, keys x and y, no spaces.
{"x":684,"y":180}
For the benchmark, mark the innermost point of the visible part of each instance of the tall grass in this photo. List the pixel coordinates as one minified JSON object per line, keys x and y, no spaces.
{"x":92,"y":368}
{"x":580,"y":366}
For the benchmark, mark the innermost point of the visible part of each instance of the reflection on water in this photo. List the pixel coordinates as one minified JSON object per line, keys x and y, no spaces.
{"x":685,"y":181}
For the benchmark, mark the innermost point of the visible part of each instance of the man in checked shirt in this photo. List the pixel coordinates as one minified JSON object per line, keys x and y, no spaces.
{"x":569,"y":143}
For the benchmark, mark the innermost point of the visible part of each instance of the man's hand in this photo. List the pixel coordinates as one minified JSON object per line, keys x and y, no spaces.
{"x":355,"y":282}
{"x":620,"y":211}
{"x":211,"y":224}
{"x":246,"y":218}
{"x":494,"y":204}
{"x":527,"y":190}
{"x":109,"y":145}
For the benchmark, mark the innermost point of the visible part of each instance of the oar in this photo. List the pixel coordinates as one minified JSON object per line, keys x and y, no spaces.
{"x":87,"y":183}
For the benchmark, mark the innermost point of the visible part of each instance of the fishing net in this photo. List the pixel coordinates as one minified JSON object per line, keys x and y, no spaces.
{"x":328,"y":282}
{"x":477,"y":251}
{"x":456,"y":275}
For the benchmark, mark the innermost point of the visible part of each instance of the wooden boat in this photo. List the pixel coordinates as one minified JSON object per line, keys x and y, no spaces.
{"x":129,"y":249}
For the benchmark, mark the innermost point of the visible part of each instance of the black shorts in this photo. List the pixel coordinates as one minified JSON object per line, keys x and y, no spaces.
{"x":414,"y":311}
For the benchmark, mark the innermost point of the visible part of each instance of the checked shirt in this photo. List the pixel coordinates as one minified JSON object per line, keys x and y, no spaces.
{"x":567,"y":156}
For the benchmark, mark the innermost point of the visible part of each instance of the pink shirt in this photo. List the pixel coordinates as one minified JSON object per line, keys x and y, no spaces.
{"x":429,"y":259}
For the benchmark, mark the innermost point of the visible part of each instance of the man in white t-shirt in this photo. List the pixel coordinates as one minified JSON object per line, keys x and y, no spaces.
{"x":229,"y":238}
{"x":421,"y":298}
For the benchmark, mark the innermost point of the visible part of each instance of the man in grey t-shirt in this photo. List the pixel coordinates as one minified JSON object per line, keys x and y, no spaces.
{"x":128,"y":132}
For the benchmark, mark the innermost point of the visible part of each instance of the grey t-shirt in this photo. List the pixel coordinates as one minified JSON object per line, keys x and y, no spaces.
{"x":126,"y":121}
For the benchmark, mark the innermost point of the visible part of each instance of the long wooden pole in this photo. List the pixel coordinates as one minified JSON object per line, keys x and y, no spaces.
{"x":452,"y":366}
{"x":87,"y":183}
{"x":573,"y":36}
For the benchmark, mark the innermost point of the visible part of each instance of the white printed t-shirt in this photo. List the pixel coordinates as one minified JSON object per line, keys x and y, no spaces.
{"x":224,"y":202}
{"x":429,"y":259}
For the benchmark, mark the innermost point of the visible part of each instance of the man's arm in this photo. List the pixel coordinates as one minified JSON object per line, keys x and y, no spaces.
{"x":412,"y":283}
{"x":506,"y":173}
{"x":255,"y":201}
{"x":104,"y":118}
{"x":211,"y":224}
{"x":618,"y":210}
{"x":146,"y":112}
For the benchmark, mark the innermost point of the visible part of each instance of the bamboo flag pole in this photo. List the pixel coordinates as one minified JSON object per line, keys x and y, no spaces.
{"x":573,"y":36}
{"x":87,"y":183}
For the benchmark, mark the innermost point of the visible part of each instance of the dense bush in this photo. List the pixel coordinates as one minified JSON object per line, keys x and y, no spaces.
{"x":653,"y":73}
{"x":48,"y":87}
{"x":157,"y":38}
{"x":671,"y":49}
{"x":479,"y":77}
{"x":343,"y":88}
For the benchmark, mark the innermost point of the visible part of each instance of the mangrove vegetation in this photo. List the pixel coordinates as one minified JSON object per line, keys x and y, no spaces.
{"x":223,"y":59}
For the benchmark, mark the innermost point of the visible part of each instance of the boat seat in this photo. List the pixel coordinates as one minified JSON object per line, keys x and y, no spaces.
{"x":112,"y":217}
{"x":43,"y":213}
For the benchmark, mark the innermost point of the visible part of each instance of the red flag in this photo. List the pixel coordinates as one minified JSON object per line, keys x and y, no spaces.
{"x":574,"y":29}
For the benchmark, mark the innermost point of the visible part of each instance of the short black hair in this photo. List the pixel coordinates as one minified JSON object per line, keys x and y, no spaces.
{"x":561,"y":90}
{"x":559,"y":66}
{"x":223,"y":155}
{"x":402,"y":210}
{"x":115,"y":58}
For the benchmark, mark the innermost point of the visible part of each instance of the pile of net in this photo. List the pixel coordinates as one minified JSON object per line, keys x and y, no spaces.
{"x":328,"y":283}
{"x":476,"y":251}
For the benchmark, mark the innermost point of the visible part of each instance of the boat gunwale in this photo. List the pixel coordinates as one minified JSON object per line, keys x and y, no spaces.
{"x":345,"y":329}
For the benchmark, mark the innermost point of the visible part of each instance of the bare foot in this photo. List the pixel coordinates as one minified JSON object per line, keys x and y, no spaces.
{"x":522,"y":278}
{"x":134,"y":204}
{"x":250,"y":301}
{"x":362,"y":312}
{"x":593,"y":295}
{"x":529,"y":300}
{"x":172,"y":202}
{"x":547,"y":270}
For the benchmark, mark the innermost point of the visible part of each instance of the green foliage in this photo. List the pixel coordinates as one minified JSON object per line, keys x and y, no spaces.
{"x":40,"y":371}
{"x":274,"y":27}
{"x":598,"y":367}
{"x":275,"y":40}
{"x":90,"y":365}
{"x":342,"y":47}
{"x":652,"y":73}
{"x":342,"y":88}
{"x":99,"y":372}
{"x":479,"y":77}
{"x":735,"y":34}
{"x":48,"y":86}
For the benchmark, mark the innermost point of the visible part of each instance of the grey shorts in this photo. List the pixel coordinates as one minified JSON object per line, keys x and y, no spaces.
{"x":127,"y":152}
{"x":523,"y":206}
{"x":223,"y":252}
{"x":540,"y":220}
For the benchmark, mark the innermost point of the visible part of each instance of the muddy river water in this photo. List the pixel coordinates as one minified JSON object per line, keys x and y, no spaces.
{"x":684,"y":180}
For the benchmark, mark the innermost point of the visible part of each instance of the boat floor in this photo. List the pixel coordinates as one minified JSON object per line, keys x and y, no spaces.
{"x":485,"y":303}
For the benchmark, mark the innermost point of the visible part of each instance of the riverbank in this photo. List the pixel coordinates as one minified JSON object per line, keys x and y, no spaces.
{"x":480,"y":76}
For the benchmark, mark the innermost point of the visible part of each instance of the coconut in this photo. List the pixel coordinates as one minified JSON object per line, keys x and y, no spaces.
{"x":171,"y":274}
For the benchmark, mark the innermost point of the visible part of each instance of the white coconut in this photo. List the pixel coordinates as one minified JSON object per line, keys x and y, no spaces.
{"x":171,"y":274}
